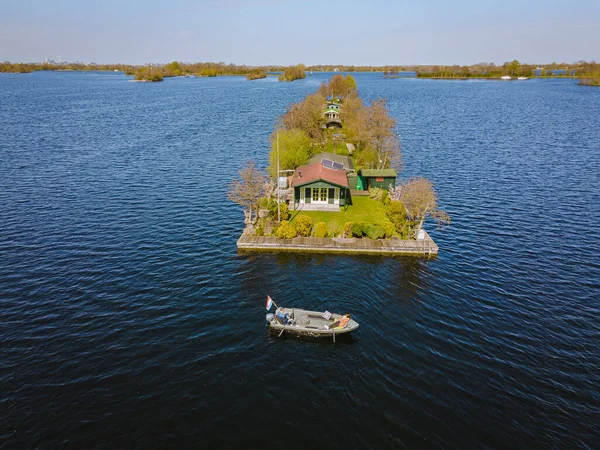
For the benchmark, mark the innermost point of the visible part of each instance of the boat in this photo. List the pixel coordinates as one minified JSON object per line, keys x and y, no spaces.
{"x":505,"y":77}
{"x":523,"y":78}
{"x":311,"y":323}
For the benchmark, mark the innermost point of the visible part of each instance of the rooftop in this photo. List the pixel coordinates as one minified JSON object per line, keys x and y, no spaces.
{"x":378,"y":173}
{"x":316,"y":172}
{"x":343,"y":160}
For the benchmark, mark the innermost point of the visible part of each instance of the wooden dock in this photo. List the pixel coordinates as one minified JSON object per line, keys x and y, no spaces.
{"x":394,"y":246}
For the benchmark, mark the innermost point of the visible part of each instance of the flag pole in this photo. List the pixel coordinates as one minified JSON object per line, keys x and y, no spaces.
{"x":276,"y":307}
{"x":277,"y":184}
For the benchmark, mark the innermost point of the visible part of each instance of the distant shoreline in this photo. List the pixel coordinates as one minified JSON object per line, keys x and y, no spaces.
{"x":490,"y":78}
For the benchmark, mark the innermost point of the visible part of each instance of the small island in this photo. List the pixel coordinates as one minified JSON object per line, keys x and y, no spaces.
{"x":331,"y":184}
{"x":293,"y":73}
{"x":589,"y":75}
{"x":149,"y":74}
{"x":256,"y":75}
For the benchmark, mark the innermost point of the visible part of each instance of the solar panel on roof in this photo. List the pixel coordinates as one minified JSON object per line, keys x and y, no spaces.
{"x":327,"y":163}
{"x":338,"y":166}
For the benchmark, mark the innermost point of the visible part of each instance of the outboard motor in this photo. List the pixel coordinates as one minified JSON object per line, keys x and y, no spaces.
{"x":270,"y":317}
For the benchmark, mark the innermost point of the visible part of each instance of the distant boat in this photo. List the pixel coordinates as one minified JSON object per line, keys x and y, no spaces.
{"x":522,"y":78}
{"x":116,"y":70}
{"x":505,"y":77}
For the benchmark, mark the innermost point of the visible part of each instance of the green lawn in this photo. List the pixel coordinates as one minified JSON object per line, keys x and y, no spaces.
{"x":340,"y":147}
{"x":363,"y":209}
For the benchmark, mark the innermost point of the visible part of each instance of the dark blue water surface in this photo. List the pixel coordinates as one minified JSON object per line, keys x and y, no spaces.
{"x":129,"y":319}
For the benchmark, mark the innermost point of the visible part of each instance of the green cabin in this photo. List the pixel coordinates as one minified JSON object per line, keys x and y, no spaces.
{"x":379,"y":178}
{"x":317,"y":187}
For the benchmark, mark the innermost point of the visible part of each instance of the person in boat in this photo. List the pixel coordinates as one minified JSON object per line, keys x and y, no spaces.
{"x":342,"y":322}
{"x":283,"y":316}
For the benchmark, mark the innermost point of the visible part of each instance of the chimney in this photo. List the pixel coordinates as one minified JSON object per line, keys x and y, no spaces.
{"x":299,"y":174}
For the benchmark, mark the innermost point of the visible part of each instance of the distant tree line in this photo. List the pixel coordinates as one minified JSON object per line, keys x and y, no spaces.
{"x":173,"y":69}
{"x":587,"y":72}
{"x":512,"y":68}
{"x":9,"y":67}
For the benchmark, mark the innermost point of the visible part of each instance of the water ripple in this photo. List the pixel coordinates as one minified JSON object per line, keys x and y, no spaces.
{"x":128,"y":316}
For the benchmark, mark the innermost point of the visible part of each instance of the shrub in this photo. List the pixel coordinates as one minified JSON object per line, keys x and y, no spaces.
{"x":385,"y":197}
{"x":358,"y":229}
{"x":395,"y":207}
{"x":375,"y":232}
{"x":404,"y":230}
{"x":272,"y":207}
{"x":283,"y":210}
{"x":396,"y":212}
{"x":285,"y":230}
{"x":260,"y":230}
{"x":338,"y":231}
{"x":348,"y":229}
{"x":321,"y":230}
{"x":375,"y":193}
{"x":389,"y":229}
{"x":303,"y":225}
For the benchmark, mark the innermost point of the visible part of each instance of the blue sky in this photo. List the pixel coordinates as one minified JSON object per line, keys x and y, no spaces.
{"x":255,"y":32}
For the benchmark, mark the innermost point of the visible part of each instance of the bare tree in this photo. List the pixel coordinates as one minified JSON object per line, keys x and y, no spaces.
{"x":420,"y":201}
{"x":395,"y":193}
{"x":269,"y":188}
{"x":373,"y":131}
{"x":307,"y":115}
{"x":381,"y":128}
{"x":341,"y":86}
{"x":247,"y":190}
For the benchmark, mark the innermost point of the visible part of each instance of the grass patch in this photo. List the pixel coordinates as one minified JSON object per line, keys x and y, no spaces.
{"x":340,"y":147}
{"x":363,"y":209}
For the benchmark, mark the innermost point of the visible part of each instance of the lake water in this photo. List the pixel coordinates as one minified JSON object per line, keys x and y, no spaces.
{"x":128,"y":318}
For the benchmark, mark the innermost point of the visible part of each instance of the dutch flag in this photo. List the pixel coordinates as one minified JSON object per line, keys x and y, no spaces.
{"x":269,"y":302}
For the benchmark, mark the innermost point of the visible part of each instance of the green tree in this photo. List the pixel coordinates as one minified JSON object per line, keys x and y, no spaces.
{"x":294,"y":150}
{"x":173,"y":69}
{"x":339,"y":86}
{"x":513,"y":68}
